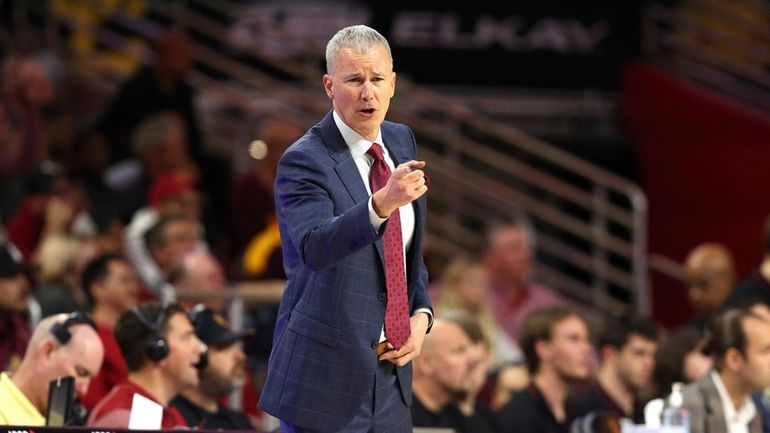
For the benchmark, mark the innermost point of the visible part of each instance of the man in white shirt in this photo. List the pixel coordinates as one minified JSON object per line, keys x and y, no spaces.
{"x":721,"y":402}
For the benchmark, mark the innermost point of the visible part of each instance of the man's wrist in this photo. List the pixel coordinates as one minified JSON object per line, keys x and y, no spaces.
{"x":428,"y":312}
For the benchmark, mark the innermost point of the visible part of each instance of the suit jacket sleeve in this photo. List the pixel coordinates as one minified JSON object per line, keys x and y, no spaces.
{"x":320,"y":233}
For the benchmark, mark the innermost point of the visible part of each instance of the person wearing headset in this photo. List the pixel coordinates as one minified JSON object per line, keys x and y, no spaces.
{"x":62,"y":345}
{"x":161,"y":351}
{"x":221,"y":371}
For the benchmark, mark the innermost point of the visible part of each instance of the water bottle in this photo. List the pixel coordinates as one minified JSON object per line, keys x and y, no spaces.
{"x":674,"y":413}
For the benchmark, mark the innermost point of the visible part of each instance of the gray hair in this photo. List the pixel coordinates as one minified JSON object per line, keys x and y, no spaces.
{"x":359,"y":38}
{"x":518,"y":220}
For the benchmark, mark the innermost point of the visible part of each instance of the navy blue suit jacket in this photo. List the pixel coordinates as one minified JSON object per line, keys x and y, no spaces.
{"x":329,"y":322}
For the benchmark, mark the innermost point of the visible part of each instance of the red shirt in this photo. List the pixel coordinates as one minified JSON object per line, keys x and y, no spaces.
{"x":114,"y":409}
{"x":113,"y":372}
{"x":24,"y":229}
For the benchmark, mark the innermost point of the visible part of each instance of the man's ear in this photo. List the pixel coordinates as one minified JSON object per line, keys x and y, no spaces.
{"x":327,"y":81}
{"x":607,"y":352}
{"x":543,"y":349}
{"x":96,"y":287}
{"x":47,"y":349}
{"x":733,"y":359}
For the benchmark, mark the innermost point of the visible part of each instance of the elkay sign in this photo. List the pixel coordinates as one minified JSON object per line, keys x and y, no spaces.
{"x":546,"y":43}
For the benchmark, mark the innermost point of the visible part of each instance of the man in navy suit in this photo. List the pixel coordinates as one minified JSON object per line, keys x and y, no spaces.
{"x":332,"y":368}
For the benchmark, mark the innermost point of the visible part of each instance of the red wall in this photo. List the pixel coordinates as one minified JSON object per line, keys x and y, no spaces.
{"x":705,"y":164}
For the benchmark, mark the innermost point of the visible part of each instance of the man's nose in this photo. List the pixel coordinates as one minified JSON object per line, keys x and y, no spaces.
{"x":81,"y":385}
{"x":367,"y":90}
{"x":240,"y":356}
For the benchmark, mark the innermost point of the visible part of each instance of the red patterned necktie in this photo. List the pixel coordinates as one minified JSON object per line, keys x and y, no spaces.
{"x":397,"y":325}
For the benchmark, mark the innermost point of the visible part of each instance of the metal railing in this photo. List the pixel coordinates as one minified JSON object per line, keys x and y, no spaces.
{"x":591,"y":223}
{"x":722,"y":44}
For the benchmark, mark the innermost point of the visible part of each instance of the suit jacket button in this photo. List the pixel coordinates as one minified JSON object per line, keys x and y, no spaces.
{"x":374,"y":345}
{"x":382,"y":296}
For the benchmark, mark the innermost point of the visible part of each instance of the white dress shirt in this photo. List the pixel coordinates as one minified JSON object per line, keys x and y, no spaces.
{"x":737,"y":420}
{"x":358,"y":146}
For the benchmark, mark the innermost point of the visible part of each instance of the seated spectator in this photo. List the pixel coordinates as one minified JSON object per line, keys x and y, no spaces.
{"x":111,"y":288}
{"x":56,"y":292}
{"x":762,"y":398}
{"x":508,"y":379}
{"x":680,"y":359}
{"x":15,"y":330}
{"x":47,"y":208}
{"x":710,"y":276}
{"x":167,"y":242}
{"x":721,"y":401}
{"x":558,"y":352}
{"x":26,"y":90}
{"x":171,"y":194}
{"x":161,"y":350}
{"x":159,"y":146}
{"x":201,"y":272}
{"x":627,"y":354}
{"x":476,"y":411}
{"x":62,"y":345}
{"x":221,"y":371}
{"x":465,"y":287}
{"x":509,"y":262}
{"x":449,"y":370}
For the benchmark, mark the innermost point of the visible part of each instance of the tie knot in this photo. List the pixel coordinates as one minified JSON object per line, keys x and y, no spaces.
{"x":375,"y":152}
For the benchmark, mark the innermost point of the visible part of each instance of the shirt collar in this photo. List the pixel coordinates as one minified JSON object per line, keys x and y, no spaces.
{"x":744,"y":415}
{"x":358,"y":144}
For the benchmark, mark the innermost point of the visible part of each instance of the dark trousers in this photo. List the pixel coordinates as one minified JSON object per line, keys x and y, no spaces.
{"x":383,"y":409}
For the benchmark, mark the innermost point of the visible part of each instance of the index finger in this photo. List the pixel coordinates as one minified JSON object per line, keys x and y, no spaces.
{"x":413,"y":165}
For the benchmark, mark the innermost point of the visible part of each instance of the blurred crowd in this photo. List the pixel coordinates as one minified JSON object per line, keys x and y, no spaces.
{"x":105,"y":225}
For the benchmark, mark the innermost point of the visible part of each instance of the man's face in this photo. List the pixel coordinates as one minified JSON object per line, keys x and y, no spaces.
{"x":569,"y":349}
{"x":184,"y":352}
{"x":360,"y":87}
{"x":188,"y":203}
{"x":635,"y":361}
{"x":510,"y":255}
{"x":208,"y":275}
{"x":707,"y":287}
{"x":452,"y":360}
{"x":81,"y":358}
{"x":205,"y":274}
{"x":225,"y":370}
{"x":36,"y":89}
{"x":120,"y":288}
{"x":181,"y":237}
{"x":756,"y":368}
{"x":13,"y":293}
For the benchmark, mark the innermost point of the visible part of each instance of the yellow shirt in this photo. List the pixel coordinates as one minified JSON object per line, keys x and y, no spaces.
{"x":15,"y":407}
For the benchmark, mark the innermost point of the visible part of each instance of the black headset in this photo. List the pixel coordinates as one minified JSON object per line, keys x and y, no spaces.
{"x":61,"y":330}
{"x":196,"y":315}
{"x":157,"y":346}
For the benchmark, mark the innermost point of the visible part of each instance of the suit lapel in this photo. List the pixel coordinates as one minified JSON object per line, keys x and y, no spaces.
{"x":346,"y":167}
{"x":399,"y":153}
{"x":715,"y":416}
